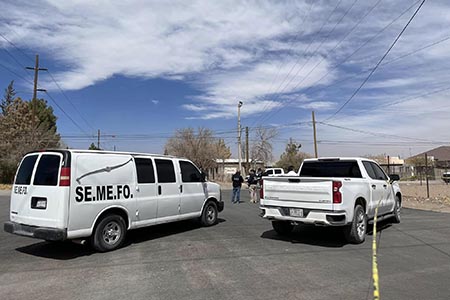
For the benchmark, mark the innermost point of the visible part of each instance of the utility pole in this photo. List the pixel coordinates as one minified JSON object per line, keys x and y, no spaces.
{"x":315,"y":137}
{"x":426,"y":175}
{"x":246,"y":149}
{"x":239,"y":135}
{"x":35,"y":90}
{"x":98,"y":139}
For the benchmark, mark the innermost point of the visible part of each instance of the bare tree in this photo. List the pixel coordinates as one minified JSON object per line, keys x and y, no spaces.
{"x":261,"y":148}
{"x":292,"y":156}
{"x":201,"y":147}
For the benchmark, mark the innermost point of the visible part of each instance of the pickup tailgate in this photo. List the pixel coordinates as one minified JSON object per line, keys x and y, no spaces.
{"x":295,"y":192}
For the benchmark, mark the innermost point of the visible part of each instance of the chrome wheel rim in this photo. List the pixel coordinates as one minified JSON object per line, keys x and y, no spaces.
{"x":360,"y":225}
{"x":112,"y":233}
{"x":398,"y":209}
{"x":210,"y":214}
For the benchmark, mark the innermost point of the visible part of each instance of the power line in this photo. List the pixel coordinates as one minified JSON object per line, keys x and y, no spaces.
{"x":68,"y":100}
{"x":374,"y":133}
{"x":12,"y":72}
{"x":379,"y":62}
{"x":323,"y":58}
{"x":14,"y":45}
{"x":301,"y":56}
{"x":66,"y":114}
{"x":282,"y":64}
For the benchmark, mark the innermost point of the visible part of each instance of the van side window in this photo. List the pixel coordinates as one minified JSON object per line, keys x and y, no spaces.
{"x":47,"y":170}
{"x":277,"y":171}
{"x":189,"y":172}
{"x":165,"y":170}
{"x":145,"y":173}
{"x":26,"y":170}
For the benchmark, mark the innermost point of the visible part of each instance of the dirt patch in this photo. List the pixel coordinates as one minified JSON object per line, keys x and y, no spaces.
{"x":415,"y":196}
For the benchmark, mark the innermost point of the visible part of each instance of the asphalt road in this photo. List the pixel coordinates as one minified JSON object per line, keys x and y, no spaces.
{"x":239,"y":258}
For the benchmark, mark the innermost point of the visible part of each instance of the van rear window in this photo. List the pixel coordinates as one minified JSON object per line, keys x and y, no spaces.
{"x":26,"y":170}
{"x":346,"y":169}
{"x":47,"y":170}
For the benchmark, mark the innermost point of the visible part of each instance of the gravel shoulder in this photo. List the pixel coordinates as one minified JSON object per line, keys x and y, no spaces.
{"x":415,"y":196}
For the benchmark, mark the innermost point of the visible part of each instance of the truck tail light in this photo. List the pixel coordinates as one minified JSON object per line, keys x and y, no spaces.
{"x":64,"y":177}
{"x":337,"y":196}
{"x":261,"y":189}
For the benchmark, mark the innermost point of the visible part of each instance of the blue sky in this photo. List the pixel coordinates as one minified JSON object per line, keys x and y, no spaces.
{"x":139,"y":71}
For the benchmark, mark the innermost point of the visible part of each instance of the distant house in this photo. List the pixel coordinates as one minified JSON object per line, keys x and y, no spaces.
{"x":227,"y":167}
{"x":391,"y":164}
{"x":438,"y":162}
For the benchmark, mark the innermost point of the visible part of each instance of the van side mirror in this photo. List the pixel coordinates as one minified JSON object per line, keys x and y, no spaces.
{"x":394,"y":177}
{"x":203,"y":177}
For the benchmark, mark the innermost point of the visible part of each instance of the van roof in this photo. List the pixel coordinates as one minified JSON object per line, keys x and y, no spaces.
{"x":103,"y":152}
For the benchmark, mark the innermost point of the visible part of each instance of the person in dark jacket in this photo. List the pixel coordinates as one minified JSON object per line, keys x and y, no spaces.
{"x":252,"y":181}
{"x":237,"y":183}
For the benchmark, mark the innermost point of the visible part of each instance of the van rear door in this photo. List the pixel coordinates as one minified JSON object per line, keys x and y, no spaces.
{"x":37,"y":199}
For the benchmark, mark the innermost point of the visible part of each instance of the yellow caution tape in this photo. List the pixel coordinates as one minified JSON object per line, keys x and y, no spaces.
{"x":376,"y":287}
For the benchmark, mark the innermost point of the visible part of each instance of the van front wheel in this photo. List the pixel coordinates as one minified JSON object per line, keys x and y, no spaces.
{"x":210,"y":214}
{"x":109,"y":233}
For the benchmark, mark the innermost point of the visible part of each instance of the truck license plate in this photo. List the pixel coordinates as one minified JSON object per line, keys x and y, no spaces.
{"x":296,"y":212}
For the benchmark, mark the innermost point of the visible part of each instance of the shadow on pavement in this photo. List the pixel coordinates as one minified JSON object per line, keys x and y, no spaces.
{"x":68,"y":250}
{"x":331,"y":237}
{"x":57,"y":250}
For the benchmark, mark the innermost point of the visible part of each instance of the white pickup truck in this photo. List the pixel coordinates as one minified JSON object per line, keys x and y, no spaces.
{"x":332,"y":192}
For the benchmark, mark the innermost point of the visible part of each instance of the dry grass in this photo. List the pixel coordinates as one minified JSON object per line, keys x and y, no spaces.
{"x":5,"y":186}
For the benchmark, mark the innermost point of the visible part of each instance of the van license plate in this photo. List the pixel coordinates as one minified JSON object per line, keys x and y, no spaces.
{"x":296,"y":212}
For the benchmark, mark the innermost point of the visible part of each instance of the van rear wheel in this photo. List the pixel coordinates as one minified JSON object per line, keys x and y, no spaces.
{"x":109,"y":233}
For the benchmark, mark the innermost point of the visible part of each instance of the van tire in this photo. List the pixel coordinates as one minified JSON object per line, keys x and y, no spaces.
{"x":282,"y":227}
{"x":355,"y":233}
{"x":109,"y":233}
{"x":210,"y":214}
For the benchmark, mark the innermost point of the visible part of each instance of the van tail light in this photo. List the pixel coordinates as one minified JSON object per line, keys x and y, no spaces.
{"x":64,"y":177}
{"x":337,"y":196}
{"x":261,"y":189}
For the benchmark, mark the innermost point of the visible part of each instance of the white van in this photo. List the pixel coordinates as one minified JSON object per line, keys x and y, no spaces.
{"x":75,"y":194}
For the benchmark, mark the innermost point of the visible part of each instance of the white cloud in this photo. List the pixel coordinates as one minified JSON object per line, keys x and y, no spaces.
{"x":263,"y":53}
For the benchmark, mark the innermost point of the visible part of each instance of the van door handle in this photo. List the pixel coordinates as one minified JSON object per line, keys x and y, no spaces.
{"x":159,"y":190}
{"x":374,"y":186}
{"x":385,"y":186}
{"x":181,"y":188}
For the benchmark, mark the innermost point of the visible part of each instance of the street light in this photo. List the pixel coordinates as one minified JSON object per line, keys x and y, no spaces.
{"x":240,"y":103}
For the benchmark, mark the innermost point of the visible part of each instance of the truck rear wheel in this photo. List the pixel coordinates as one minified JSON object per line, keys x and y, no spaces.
{"x":282,"y":227}
{"x":109,"y":233}
{"x":355,"y":233}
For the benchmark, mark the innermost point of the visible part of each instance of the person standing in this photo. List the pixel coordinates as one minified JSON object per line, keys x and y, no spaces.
{"x":252,"y":181}
{"x":237,"y":183}
{"x":291,"y":171}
